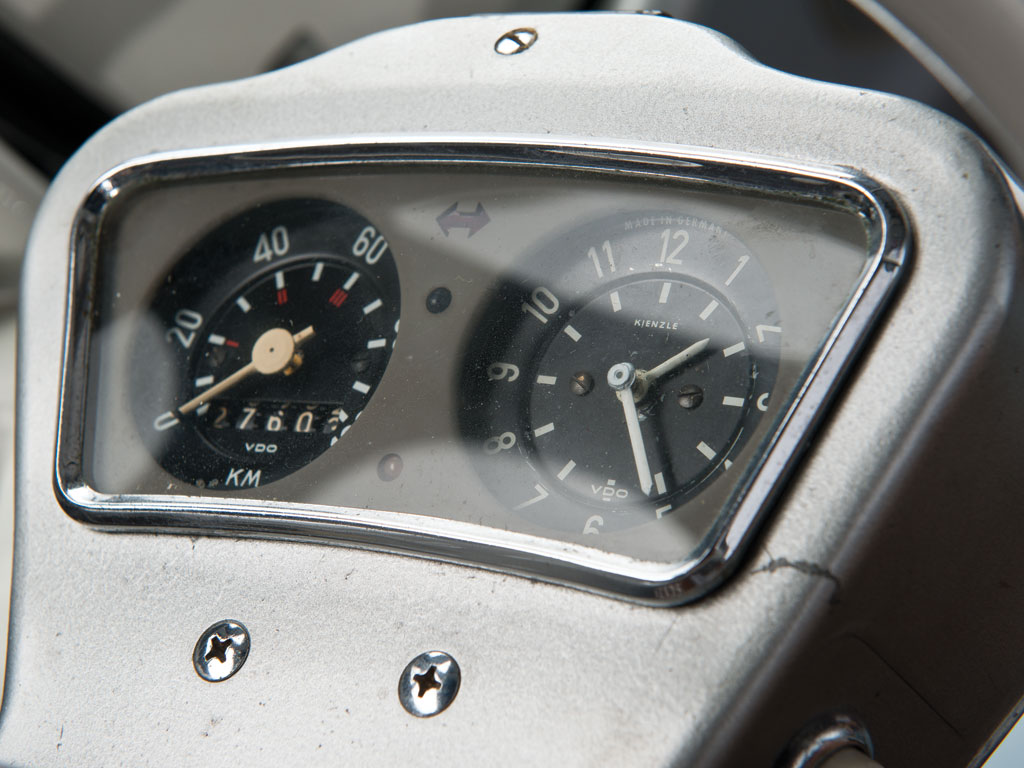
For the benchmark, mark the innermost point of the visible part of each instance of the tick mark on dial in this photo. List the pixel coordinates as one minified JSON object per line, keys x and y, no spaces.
{"x":730,"y":351}
{"x":543,"y":430}
{"x":711,"y":307}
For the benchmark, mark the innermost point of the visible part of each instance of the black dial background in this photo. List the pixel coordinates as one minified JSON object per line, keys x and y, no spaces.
{"x":214,"y":447}
{"x":590,"y":429}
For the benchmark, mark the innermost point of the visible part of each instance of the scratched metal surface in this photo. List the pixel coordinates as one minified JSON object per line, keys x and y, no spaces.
{"x":102,"y":627}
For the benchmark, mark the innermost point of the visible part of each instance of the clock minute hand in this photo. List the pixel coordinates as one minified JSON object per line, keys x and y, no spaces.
{"x":675,"y":361}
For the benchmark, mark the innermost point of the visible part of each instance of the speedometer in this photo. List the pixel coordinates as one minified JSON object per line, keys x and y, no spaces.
{"x":264,"y":343}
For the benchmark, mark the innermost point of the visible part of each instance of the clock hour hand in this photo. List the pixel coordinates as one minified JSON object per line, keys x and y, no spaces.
{"x":620,"y":378}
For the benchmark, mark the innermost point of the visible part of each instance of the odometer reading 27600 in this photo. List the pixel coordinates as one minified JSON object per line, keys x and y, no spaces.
{"x":264,"y":343}
{"x":625,"y":374}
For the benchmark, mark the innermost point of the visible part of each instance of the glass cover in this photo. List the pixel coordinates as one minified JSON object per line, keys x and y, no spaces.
{"x":590,"y":358}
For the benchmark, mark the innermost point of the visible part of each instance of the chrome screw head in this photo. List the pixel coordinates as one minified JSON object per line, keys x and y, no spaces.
{"x":429,"y":684}
{"x":516,"y":41}
{"x":221,"y":650}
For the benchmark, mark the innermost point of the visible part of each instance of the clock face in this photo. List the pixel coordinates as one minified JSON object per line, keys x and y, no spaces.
{"x":625,"y":375}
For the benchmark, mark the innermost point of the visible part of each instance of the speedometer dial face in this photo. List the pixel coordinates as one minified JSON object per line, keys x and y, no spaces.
{"x":623,"y":374}
{"x":265,"y":343}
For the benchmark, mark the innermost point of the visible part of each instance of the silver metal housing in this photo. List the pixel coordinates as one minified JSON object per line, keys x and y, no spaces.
{"x":906,"y":503}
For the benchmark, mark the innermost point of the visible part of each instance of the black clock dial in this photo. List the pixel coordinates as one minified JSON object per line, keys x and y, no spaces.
{"x":624,"y":375}
{"x":689,"y":416}
{"x":265,"y":343}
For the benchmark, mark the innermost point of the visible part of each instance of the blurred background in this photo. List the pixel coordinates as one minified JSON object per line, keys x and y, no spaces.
{"x":72,"y":65}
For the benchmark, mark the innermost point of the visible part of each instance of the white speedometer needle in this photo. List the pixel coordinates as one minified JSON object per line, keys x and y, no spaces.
{"x":675,"y":361}
{"x":271,"y":353}
{"x":620,"y":378}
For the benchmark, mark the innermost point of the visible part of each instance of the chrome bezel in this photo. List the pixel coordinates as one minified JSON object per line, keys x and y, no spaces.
{"x":653,"y":583}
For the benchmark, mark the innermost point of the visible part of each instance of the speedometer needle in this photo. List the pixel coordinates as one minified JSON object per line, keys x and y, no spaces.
{"x":271,"y":353}
{"x":621,"y":378}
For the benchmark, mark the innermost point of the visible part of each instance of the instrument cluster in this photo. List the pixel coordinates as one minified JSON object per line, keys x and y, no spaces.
{"x":592,"y":366}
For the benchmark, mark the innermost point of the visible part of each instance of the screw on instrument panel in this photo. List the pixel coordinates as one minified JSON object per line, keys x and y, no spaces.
{"x":516,"y":41}
{"x":581,"y":383}
{"x":691,"y":396}
{"x":221,"y":650}
{"x":429,"y":684}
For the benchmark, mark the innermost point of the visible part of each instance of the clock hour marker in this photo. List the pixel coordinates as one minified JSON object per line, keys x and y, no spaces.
{"x":616,"y":302}
{"x":707,"y":450}
{"x":279,"y":280}
{"x":216,"y":338}
{"x":549,"y":380}
{"x":709,"y":309}
{"x":359,"y":386}
{"x":375,"y":304}
{"x":736,"y":402}
{"x":351,"y":281}
{"x":659,"y":482}
{"x":549,"y":427}
{"x":572,"y":333}
{"x":243,"y":305}
{"x":665,"y":288}
{"x":376,"y":343}
{"x":318,"y":269}
{"x":204,"y":381}
{"x":569,"y":467}
{"x":729,"y":351}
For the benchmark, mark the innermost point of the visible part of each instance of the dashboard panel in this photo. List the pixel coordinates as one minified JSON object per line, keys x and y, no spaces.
{"x":904,"y":502}
{"x":589,"y":364}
